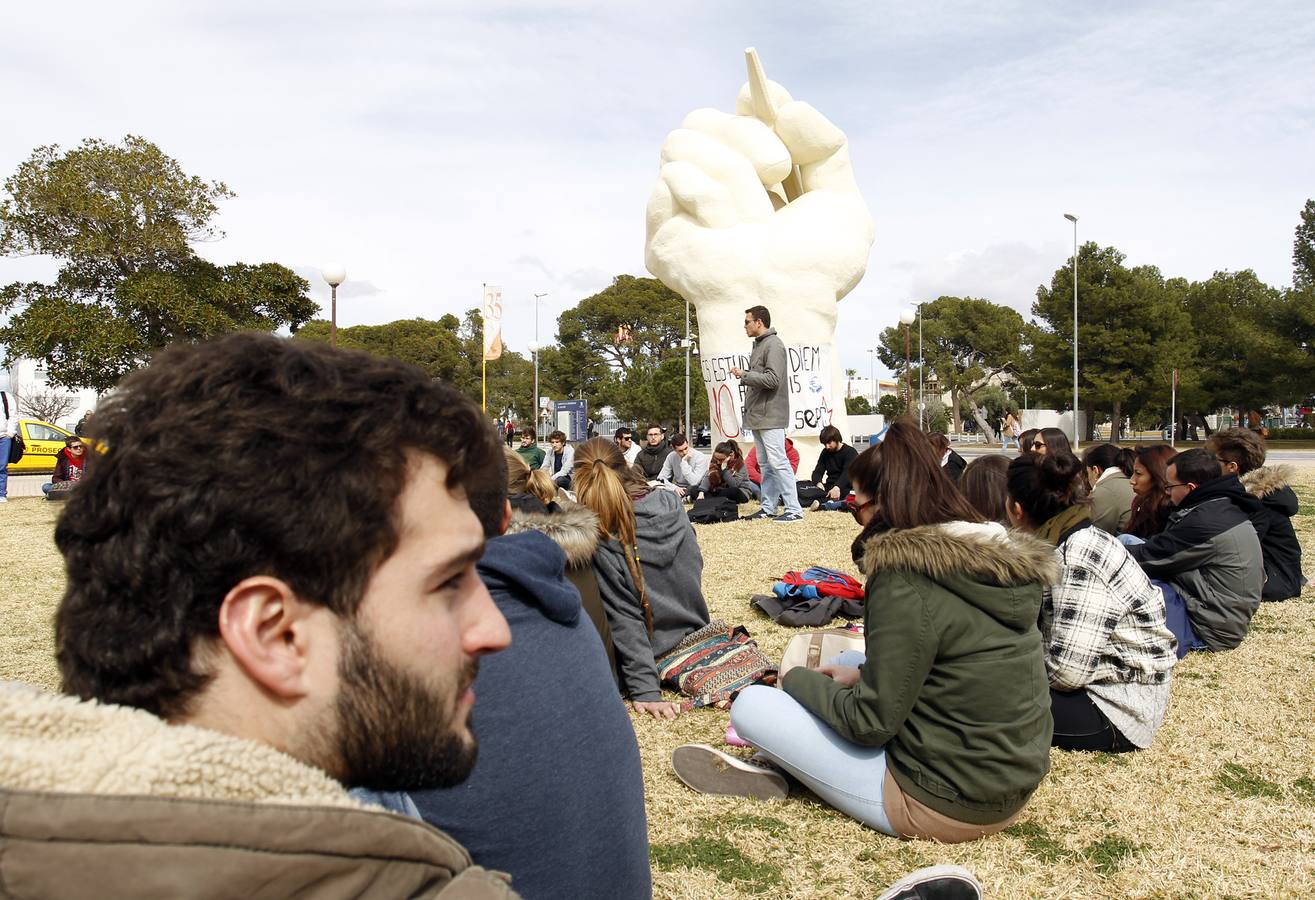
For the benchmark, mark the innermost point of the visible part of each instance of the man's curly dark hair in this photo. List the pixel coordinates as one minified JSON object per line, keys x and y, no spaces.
{"x":248,"y":455}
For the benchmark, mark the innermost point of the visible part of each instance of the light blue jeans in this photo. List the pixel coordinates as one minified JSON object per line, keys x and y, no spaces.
{"x":778,"y":477}
{"x":848,"y":776}
{"x":6,"y":442}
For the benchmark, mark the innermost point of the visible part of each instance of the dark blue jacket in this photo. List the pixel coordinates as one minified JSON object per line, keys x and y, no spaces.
{"x":557,"y":796}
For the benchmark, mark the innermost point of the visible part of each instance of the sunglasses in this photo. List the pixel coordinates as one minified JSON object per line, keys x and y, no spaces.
{"x":1036,"y":444}
{"x":854,"y":509}
{"x":76,"y":447}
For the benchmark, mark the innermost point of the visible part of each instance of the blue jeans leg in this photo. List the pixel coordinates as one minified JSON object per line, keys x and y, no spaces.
{"x":774,"y":440}
{"x":847,"y":776}
{"x":1175,"y":616}
{"x":769,"y":493}
{"x":4,"y":465}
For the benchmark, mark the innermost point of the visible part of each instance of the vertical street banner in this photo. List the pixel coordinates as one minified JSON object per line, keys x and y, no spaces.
{"x":808,"y":378}
{"x":492,"y":309}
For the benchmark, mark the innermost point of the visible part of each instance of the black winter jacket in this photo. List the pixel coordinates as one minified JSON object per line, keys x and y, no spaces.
{"x":1209,"y":552}
{"x":1273,"y":523}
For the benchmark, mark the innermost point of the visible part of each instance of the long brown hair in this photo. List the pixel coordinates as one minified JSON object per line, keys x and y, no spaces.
{"x":605,"y":484}
{"x":1150,"y":512}
{"x":731,"y":459}
{"x":904,"y":477}
{"x":983,"y":485}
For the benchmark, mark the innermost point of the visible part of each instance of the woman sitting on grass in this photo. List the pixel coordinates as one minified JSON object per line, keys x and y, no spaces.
{"x":1108,"y":469}
{"x":1150,"y":502}
{"x":943,"y":730}
{"x":648,"y":565}
{"x":983,"y":486}
{"x":728,"y":476}
{"x":1108,"y":650}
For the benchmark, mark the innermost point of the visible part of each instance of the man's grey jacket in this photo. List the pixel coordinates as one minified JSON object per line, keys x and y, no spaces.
{"x":766,"y":392}
{"x":1209,"y":552}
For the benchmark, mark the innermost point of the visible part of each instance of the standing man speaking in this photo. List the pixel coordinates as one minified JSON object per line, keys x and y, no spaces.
{"x":767,"y":413}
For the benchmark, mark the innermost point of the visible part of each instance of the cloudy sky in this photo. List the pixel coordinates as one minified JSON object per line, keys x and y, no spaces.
{"x":434,"y":146}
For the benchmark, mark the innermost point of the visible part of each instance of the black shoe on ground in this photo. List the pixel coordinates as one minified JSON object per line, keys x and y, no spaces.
{"x":760,"y":514}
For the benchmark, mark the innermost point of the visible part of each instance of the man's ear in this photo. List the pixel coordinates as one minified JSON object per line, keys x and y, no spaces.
{"x":506,"y":517}
{"x":266,"y":628}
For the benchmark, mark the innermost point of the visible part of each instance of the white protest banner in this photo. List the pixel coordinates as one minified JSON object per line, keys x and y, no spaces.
{"x":492,"y":321}
{"x":808,"y":378}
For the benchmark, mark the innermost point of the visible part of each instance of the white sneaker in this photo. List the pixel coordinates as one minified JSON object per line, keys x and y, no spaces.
{"x":4,"y":499}
{"x":938,"y":882}
{"x":709,"y":771}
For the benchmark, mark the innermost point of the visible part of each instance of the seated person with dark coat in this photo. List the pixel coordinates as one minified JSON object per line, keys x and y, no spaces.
{"x":1241,"y":452}
{"x":558,"y":775}
{"x":831,"y":473}
{"x":1209,"y":554}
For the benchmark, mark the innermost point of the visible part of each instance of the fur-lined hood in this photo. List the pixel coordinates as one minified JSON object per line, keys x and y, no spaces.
{"x":1267,"y":480}
{"x":984,"y":564}
{"x":985,"y":552}
{"x":60,"y":744}
{"x":574,"y":529}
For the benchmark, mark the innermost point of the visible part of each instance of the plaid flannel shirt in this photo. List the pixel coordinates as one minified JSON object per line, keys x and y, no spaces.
{"x":1104,"y":620}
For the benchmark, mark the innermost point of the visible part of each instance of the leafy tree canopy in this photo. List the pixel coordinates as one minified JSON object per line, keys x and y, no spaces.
{"x":967,"y":341}
{"x":1303,"y":249}
{"x":122,"y":217}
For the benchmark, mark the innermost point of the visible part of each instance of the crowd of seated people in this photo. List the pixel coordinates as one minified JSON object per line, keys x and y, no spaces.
{"x":1011,"y":607}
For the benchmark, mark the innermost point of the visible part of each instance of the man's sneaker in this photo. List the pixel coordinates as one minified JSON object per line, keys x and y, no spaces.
{"x":815,"y":506}
{"x":4,"y":499}
{"x":788,"y":517}
{"x":935,"y":883}
{"x":710,"y":771}
{"x":760,"y":514}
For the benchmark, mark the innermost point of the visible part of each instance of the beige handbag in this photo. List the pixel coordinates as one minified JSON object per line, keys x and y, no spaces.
{"x":815,"y":648}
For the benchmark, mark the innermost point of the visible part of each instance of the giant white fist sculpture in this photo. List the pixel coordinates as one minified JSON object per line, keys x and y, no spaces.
{"x":761,"y":207}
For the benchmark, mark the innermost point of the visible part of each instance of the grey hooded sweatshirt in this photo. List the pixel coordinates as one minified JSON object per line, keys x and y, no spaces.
{"x":672,"y":566}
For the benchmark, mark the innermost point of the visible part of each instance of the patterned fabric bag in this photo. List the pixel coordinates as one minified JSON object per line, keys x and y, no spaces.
{"x":714,"y":664}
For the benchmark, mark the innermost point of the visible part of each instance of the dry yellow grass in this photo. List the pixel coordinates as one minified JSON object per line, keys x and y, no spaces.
{"x":1222,"y":805}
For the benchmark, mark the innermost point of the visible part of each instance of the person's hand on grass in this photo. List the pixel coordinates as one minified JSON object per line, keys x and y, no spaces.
{"x":845,"y":675}
{"x":658,"y":709}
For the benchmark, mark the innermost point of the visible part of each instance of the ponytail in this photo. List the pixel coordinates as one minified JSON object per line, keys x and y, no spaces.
{"x":1045,"y":485}
{"x":600,"y":484}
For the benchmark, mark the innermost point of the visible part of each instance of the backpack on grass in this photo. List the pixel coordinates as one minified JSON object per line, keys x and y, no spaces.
{"x":711,"y":510}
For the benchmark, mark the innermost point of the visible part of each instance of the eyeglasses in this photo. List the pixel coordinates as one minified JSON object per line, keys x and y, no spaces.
{"x":1169,"y":487}
{"x":655,"y":434}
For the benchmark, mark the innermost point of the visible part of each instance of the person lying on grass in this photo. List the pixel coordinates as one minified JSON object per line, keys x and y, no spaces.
{"x":942,"y":730}
{"x":1109,"y":652}
{"x":649,"y":568}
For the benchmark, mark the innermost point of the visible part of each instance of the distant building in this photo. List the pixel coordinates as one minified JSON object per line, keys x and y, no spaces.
{"x":872,"y":390}
{"x":28,"y":380}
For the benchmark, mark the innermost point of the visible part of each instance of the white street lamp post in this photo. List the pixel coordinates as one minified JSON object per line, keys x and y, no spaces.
{"x":906,"y":319}
{"x":872,"y":377}
{"x":921,"y":365}
{"x":334,"y":275}
{"x":535,"y":347}
{"x":689,"y":429}
{"x":1074,"y":219}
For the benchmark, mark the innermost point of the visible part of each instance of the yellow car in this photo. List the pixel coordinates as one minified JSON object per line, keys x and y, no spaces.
{"x":43,"y":441}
